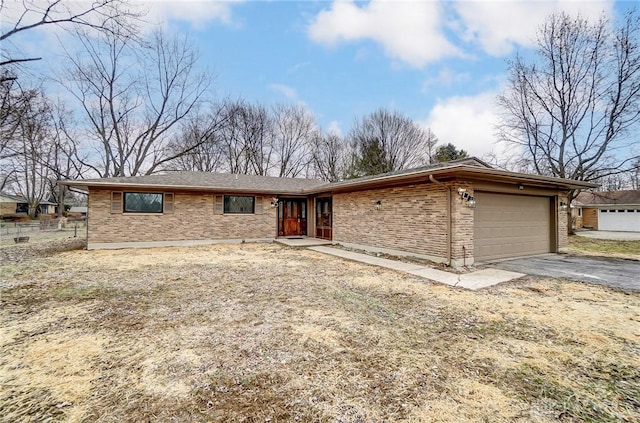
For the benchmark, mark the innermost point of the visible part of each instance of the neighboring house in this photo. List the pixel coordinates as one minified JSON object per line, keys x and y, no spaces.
{"x":12,"y":204}
{"x":607,"y":210}
{"x":457,"y":212}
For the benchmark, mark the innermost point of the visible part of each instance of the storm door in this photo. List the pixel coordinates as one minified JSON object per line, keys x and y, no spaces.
{"x":324,"y":218}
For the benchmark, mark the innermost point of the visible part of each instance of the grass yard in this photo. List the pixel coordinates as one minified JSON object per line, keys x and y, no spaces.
{"x":263,"y":333}
{"x":604,"y":247}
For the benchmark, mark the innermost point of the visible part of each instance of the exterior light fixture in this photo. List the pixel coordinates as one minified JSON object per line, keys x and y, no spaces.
{"x":520,"y":186}
{"x":468,"y":198}
{"x":274,"y":202}
{"x":378,"y":204}
{"x":564,"y":206}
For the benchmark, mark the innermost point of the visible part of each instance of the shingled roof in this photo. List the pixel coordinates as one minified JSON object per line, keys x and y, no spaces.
{"x":471,"y":168}
{"x":602,"y":198}
{"x":206,"y":181}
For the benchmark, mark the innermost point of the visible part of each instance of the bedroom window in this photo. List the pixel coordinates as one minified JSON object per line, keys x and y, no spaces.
{"x":239,"y":204}
{"x":143,"y":202}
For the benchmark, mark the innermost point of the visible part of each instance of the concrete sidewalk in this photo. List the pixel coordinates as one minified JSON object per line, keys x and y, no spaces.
{"x":473,"y":281}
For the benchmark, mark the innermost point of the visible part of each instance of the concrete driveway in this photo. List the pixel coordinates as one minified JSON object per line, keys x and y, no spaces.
{"x":616,"y":236}
{"x":604,"y":271}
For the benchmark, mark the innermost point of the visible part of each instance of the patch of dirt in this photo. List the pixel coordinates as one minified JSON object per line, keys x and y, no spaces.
{"x":260,"y":332}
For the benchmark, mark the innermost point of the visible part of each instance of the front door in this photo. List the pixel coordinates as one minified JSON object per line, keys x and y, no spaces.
{"x":292,"y":217}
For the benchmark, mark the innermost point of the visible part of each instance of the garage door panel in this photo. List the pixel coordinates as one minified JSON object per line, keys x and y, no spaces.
{"x":619,"y":220}
{"x":511,"y":225}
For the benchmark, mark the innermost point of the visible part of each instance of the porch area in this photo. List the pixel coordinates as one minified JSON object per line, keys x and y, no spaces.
{"x":302,"y":241}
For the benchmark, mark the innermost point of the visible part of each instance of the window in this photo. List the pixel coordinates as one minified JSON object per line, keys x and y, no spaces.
{"x":580,"y":212}
{"x":142,"y":202}
{"x":239,"y":204}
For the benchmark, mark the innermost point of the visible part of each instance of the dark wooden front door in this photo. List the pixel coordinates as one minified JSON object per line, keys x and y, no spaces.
{"x":292,"y":217}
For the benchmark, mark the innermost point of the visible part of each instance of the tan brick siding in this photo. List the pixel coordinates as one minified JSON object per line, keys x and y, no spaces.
{"x":590,"y":217}
{"x":8,"y":208}
{"x":563,"y":223}
{"x":462,"y":224}
{"x":411,"y":219}
{"x":192,"y":219}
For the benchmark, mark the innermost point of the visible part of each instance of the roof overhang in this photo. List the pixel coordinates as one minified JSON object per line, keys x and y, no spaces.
{"x":455,"y":171}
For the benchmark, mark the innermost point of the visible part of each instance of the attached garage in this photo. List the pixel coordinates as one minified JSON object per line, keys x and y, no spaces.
{"x":508,"y":225}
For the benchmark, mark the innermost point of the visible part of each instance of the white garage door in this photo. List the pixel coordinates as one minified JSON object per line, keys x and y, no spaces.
{"x":619,"y":220}
{"x":511,"y":225}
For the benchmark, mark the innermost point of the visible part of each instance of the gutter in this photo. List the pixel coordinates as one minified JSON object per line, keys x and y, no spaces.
{"x":449,"y":218}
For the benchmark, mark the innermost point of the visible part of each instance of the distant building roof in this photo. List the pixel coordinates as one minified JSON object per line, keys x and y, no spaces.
{"x":9,"y":198}
{"x":78,"y":209}
{"x":608,"y":198}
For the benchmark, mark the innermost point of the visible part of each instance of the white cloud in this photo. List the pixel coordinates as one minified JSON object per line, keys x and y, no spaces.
{"x":409,"y":31}
{"x":288,"y":92}
{"x":499,"y":26}
{"x":198,"y":13}
{"x":446,"y":78}
{"x":468,"y":122}
{"x":334,"y":128}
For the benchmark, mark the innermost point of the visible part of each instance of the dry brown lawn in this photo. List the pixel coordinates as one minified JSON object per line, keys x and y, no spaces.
{"x":263,"y":333}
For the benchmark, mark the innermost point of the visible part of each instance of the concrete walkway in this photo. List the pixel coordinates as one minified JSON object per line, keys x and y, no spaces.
{"x":473,"y":281}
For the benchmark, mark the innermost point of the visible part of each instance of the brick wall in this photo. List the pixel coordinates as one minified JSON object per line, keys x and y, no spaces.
{"x":462,"y":224}
{"x":563,"y":223}
{"x":590,"y":217}
{"x":411,"y":219}
{"x":193,"y":219}
{"x":7,"y":208}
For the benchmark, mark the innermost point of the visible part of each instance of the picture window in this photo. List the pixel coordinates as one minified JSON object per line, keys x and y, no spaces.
{"x":143,"y":202}
{"x":236,"y":204}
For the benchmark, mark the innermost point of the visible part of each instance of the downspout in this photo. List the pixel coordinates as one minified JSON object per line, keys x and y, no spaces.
{"x":449,"y":219}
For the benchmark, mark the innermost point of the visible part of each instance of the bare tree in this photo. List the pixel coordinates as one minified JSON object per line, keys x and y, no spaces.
{"x":13,"y":104}
{"x":255,"y":128}
{"x":385,"y":141}
{"x":204,"y":132}
{"x":34,"y":149}
{"x":329,"y":157}
{"x":245,"y":138}
{"x":294,"y":132}
{"x":134,"y":97}
{"x":22,"y":16}
{"x":573,"y":110}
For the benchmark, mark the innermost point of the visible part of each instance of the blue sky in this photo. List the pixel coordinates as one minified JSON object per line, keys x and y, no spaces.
{"x":442,"y":63}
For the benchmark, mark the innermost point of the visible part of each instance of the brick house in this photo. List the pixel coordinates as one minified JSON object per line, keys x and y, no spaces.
{"x":607,"y":210}
{"x":16,"y":204}
{"x":456,"y":213}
